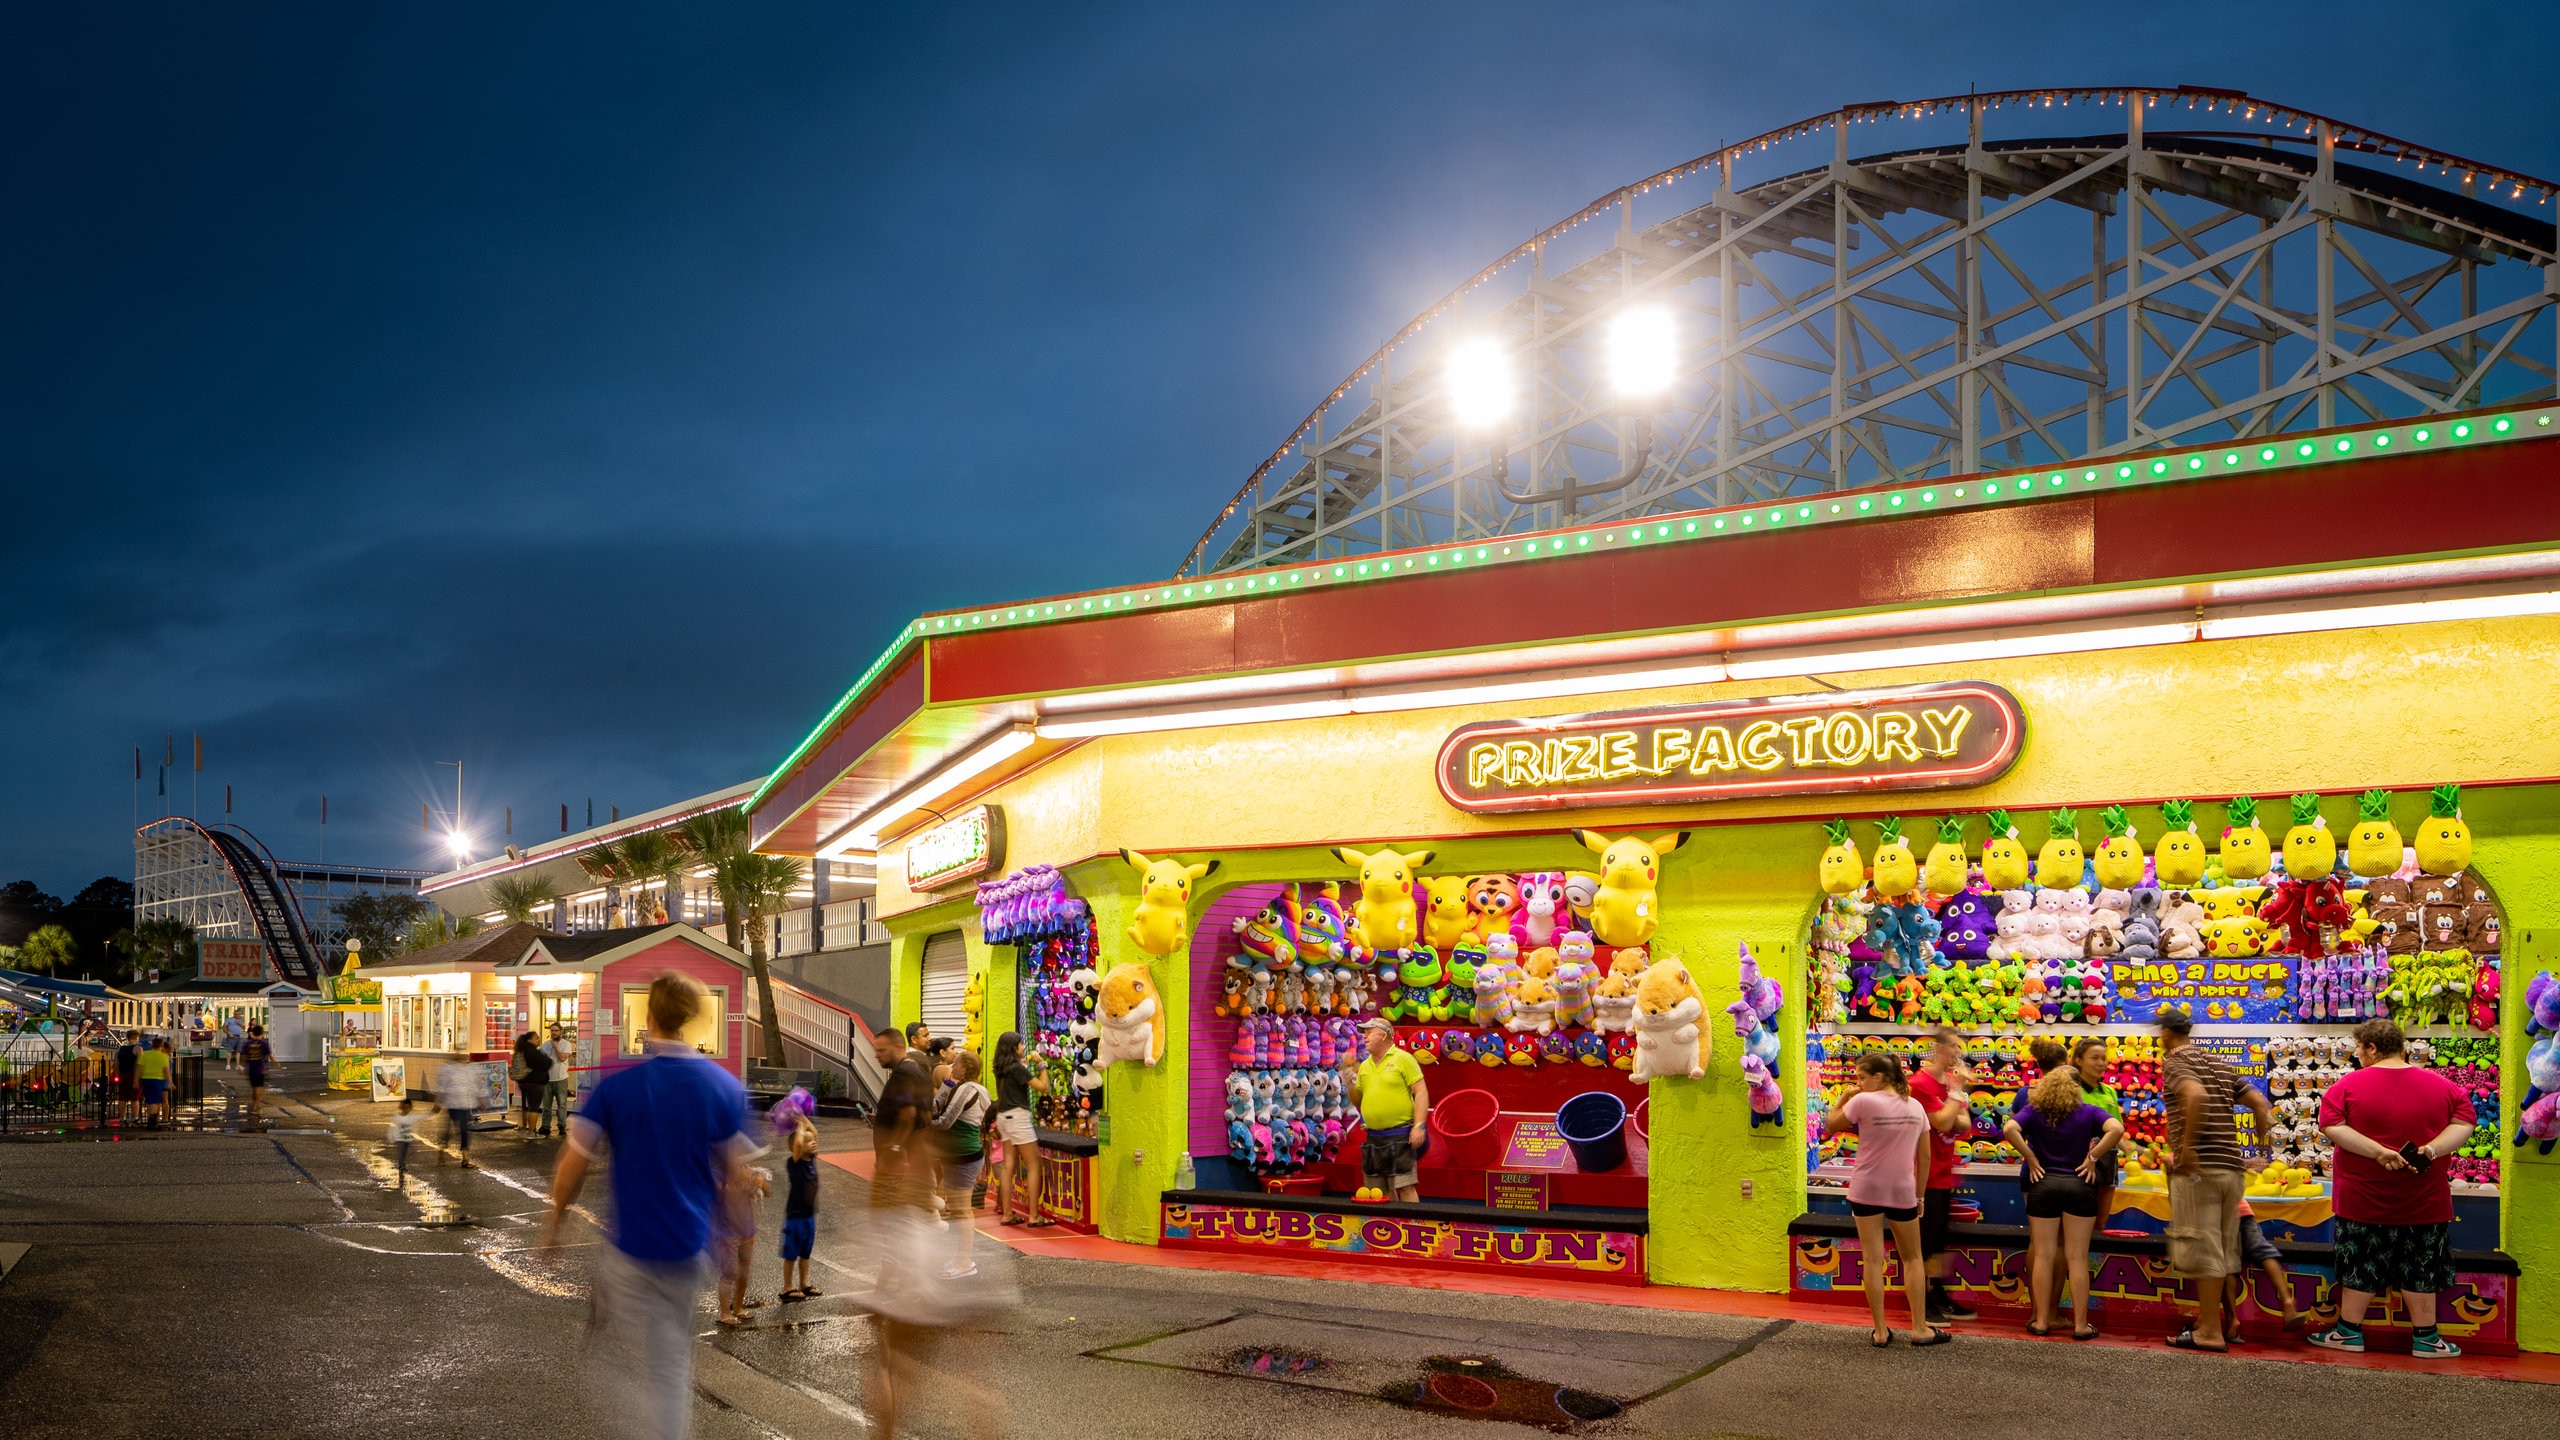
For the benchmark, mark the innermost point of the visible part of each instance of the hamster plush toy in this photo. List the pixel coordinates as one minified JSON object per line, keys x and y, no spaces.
{"x":1131,"y":1018}
{"x":1669,"y":1041}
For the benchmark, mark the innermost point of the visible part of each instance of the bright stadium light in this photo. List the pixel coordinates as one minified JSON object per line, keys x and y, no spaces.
{"x":1641,"y":352}
{"x":1479,"y":382}
{"x":461,"y":844}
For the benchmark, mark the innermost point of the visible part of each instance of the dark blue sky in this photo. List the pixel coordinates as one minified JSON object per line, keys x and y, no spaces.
{"x":588,"y":398}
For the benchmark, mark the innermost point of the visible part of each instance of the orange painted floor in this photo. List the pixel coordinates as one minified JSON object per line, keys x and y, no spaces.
{"x":1052,"y":1244}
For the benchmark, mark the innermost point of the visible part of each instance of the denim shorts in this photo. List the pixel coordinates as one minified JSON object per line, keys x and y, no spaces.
{"x":799,"y":1236}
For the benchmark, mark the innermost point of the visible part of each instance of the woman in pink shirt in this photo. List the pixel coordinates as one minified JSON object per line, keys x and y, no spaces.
{"x":1884,"y":1189}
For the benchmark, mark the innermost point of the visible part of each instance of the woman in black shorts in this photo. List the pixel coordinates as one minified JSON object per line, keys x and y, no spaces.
{"x":2062,"y":1140}
{"x":1884,"y":1189}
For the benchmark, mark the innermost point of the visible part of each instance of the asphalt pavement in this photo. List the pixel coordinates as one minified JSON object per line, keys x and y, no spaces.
{"x":280,"y":1284}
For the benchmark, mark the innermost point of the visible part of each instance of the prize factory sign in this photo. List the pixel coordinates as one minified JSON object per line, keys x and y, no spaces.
{"x":1921,"y":737}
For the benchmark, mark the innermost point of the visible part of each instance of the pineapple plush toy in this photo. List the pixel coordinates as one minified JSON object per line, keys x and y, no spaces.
{"x":2059,"y":863}
{"x":2310,"y":851}
{"x":2179,"y":857}
{"x":1842,"y":871}
{"x":1944,"y":873}
{"x":2308,"y":914}
{"x":2373,"y":847}
{"x":1897,"y":872}
{"x":2444,"y":842}
{"x":2004,"y":858}
{"x":2244,"y":845}
{"x":2119,"y":860}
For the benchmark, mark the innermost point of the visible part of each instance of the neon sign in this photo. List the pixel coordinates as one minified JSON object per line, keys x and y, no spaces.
{"x":968,"y":844}
{"x":1919,"y":737}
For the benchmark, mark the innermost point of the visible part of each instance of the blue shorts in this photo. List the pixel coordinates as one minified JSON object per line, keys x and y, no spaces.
{"x":153,"y":1090}
{"x":799,"y":1236}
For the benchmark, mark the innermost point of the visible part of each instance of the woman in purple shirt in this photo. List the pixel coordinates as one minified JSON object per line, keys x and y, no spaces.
{"x":2064,"y":1140}
{"x":1884,"y":1189}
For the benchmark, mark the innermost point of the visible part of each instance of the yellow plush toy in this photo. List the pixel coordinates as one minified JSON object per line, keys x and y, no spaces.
{"x":2179,"y":857}
{"x":1944,"y":872}
{"x":1842,"y":871}
{"x":2004,"y":857}
{"x":1448,"y":919}
{"x":1625,"y":912}
{"x":2119,"y":860}
{"x":1164,"y":902}
{"x":2373,"y":847}
{"x":2444,"y":841}
{"x":1897,"y":872}
{"x":2310,"y":851}
{"x":2244,"y":846}
{"x":1383,"y":920}
{"x":1130,"y":1017}
{"x":973,"y":1005}
{"x":2234,"y":937}
{"x":2058,"y":863}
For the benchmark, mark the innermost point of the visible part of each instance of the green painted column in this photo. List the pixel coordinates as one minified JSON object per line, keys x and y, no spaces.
{"x":2517,"y":851}
{"x":1147,"y":1110}
{"x":1729,"y":885}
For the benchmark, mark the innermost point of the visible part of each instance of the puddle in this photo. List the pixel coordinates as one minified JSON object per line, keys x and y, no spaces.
{"x":1479,"y":1387}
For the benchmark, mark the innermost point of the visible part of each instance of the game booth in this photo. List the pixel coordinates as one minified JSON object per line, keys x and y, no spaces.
{"x":1641,"y":834}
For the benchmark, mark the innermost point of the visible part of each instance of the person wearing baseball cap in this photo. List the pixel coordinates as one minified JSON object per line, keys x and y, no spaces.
{"x":1395,"y":1108}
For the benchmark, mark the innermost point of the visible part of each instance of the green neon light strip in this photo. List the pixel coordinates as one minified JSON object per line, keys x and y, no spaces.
{"x":1967,"y":492}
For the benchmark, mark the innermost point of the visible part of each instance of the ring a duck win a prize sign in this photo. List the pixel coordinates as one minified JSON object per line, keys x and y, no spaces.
{"x":1920,"y":737}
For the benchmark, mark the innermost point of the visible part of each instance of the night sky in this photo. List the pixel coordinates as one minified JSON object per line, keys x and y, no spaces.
{"x":589,"y":399}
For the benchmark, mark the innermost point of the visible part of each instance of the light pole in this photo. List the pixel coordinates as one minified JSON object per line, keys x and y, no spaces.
{"x":1643,"y":357}
{"x":459,"y":839}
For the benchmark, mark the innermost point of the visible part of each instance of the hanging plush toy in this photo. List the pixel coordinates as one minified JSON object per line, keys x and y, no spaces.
{"x":1164,"y":901}
{"x":1945,"y":872}
{"x":1842,"y":871}
{"x":1383,"y":920}
{"x":1669,"y":1042}
{"x":1767,"y":1101}
{"x":1624,"y":912}
{"x":2310,"y":851}
{"x":1968,"y":925}
{"x":1613,"y":1005}
{"x":2179,"y":857}
{"x":2374,"y":846}
{"x":2444,"y":841}
{"x":2119,"y":859}
{"x":1897,"y":873}
{"x":2244,"y":846}
{"x":973,"y":1009}
{"x":1445,"y":917}
{"x":1131,"y":1018}
{"x":2059,"y":863}
{"x":1494,"y":899}
{"x":2004,"y":857}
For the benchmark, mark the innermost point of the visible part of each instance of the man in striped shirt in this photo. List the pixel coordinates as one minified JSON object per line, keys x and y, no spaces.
{"x":2208,"y":1177}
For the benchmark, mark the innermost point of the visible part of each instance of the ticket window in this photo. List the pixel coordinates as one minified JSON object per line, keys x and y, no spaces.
{"x":709,"y":1032}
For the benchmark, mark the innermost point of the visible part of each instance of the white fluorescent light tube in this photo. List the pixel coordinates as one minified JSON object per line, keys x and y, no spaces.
{"x":1958,"y":652}
{"x":1506,"y":692}
{"x":1191,"y":719}
{"x":933,"y":787}
{"x":2407,"y":612}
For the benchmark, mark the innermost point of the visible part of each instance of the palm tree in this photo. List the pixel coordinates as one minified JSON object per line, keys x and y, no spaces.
{"x":605,"y":865}
{"x":437,"y":928}
{"x":518,"y":896}
{"x":753,"y":889}
{"x":49,"y":951}
{"x":162,"y":942}
{"x":711,"y":837}
{"x":656,"y":855}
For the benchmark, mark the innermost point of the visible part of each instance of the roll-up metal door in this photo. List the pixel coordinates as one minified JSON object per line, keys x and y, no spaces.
{"x":946,"y":979}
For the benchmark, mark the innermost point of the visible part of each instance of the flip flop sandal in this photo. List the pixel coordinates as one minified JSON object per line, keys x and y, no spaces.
{"x":2084,"y":1334}
{"x":810,"y":1292}
{"x":1042,"y":1223}
{"x":2186,"y":1340}
{"x":1880,"y":1338}
{"x":2046,"y":1333}
{"x":752,"y":1305}
{"x":791,"y":1297}
{"x":1013,"y":1220}
{"x":1936,"y":1337}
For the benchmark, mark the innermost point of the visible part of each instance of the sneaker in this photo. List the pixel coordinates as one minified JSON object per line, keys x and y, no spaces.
{"x":2339,"y":1337}
{"x":959,"y":1272}
{"x":1953,"y":1308}
{"x":2432,"y":1347}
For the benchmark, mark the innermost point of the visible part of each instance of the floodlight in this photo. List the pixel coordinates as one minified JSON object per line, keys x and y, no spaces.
{"x":1641,"y":352}
{"x":1479,"y":382}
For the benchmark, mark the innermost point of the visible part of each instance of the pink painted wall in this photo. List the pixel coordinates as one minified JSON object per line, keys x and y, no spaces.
{"x":677,"y":953}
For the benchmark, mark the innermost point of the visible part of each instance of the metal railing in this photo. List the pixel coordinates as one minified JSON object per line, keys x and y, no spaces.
{"x":81,"y":1093}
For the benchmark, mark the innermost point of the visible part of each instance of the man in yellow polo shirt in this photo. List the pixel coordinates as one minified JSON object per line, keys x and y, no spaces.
{"x":152,"y":1065}
{"x":1395,"y":1108}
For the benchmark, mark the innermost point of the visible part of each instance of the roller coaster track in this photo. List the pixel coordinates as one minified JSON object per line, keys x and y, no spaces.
{"x":1973,"y":300}
{"x":267,"y":903}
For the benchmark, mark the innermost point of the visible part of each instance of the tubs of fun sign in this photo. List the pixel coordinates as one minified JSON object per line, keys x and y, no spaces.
{"x":1609,"y":1257}
{"x":1922,"y":737}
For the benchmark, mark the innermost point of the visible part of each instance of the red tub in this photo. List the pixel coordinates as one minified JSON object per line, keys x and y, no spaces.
{"x":1467,"y":1131}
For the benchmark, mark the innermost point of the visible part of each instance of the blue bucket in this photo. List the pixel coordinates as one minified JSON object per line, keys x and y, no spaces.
{"x":1594,"y":1127}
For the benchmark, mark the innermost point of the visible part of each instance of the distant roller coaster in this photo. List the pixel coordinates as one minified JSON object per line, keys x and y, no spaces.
{"x":1997,"y":293}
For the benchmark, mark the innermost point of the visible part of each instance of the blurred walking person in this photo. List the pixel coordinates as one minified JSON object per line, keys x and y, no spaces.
{"x":961,"y":1117}
{"x":674,"y":1126}
{"x":458,"y":1092}
{"x":255,"y":1052}
{"x":404,"y":1133}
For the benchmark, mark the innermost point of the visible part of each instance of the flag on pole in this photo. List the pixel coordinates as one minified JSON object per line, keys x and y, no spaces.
{"x":169,"y":749}
{"x":422,"y":816}
{"x":324,"y":809}
{"x":164,"y":779}
{"x":226,"y":799}
{"x":137,"y":764}
{"x":564,"y":817}
{"x":199,"y":754}
{"x":511,"y":819}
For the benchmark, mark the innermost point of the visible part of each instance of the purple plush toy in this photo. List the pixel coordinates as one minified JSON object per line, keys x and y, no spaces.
{"x":1968,"y":923}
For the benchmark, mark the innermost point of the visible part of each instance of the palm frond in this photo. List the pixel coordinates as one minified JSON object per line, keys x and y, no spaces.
{"x":518,"y":896}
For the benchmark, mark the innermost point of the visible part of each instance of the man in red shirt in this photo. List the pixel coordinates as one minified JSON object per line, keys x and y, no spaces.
{"x":1941,"y":1085}
{"x":2391,"y":1122}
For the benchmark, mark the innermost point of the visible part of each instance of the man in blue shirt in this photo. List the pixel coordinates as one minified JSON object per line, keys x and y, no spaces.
{"x":674,"y":1125}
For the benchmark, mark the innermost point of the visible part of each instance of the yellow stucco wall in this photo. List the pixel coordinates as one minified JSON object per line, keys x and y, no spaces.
{"x":2400,"y":708}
